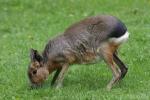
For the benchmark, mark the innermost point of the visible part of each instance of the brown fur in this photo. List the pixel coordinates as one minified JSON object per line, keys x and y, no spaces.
{"x":82,"y":43}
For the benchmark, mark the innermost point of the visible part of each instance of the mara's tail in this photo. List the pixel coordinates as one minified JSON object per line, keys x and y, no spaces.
{"x":121,"y":39}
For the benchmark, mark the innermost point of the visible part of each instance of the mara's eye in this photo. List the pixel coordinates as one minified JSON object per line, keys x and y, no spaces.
{"x":34,"y":72}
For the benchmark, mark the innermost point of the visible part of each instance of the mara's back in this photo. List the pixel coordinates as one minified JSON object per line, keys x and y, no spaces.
{"x":94,"y":30}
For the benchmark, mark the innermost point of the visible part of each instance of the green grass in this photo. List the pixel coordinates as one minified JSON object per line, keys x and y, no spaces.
{"x":26,"y":24}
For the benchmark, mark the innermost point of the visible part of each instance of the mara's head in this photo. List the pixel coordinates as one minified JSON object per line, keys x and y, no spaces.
{"x":37,"y":72}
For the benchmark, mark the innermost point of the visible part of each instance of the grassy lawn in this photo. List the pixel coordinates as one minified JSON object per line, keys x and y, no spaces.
{"x":26,"y":24}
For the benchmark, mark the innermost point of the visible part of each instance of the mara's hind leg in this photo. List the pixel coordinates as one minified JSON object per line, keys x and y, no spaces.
{"x":121,"y":65}
{"x":107,"y":50}
{"x":108,"y":57}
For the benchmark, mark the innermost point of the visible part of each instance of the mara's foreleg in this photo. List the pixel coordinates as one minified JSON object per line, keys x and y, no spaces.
{"x":55,"y":76}
{"x":59,"y":76}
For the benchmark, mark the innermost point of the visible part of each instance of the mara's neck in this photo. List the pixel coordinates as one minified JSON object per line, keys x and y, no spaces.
{"x":54,"y":48}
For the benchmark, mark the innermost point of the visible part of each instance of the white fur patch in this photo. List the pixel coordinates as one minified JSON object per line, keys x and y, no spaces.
{"x":121,"y":39}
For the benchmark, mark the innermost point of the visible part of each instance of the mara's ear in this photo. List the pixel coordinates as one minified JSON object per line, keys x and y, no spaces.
{"x":35,"y":56}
